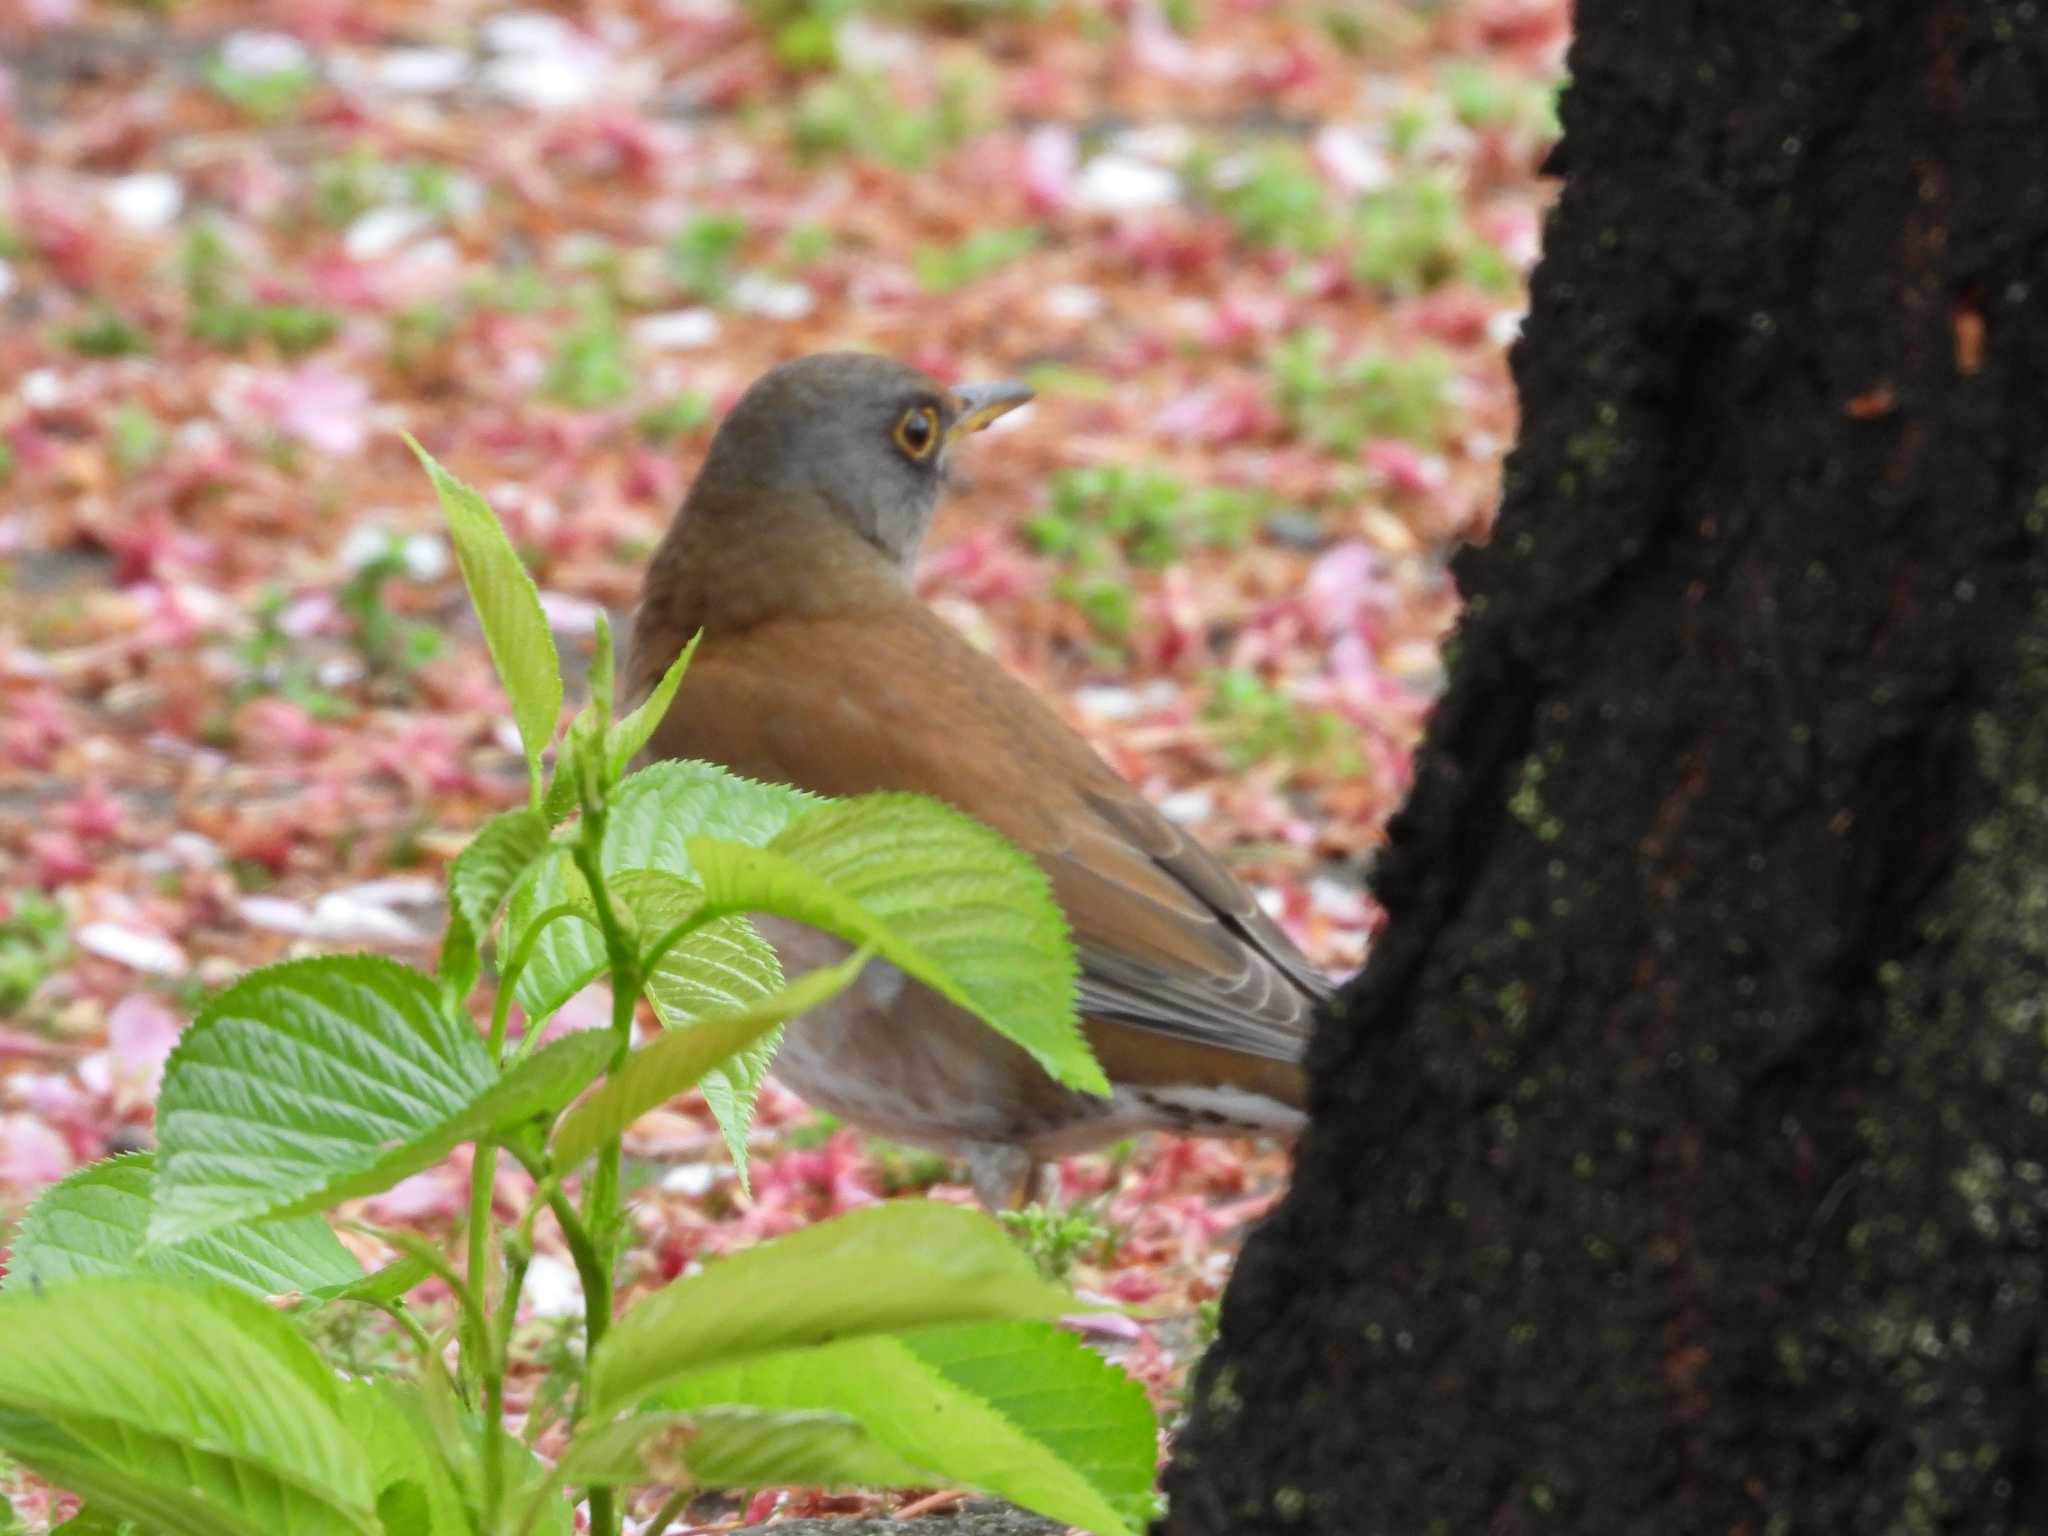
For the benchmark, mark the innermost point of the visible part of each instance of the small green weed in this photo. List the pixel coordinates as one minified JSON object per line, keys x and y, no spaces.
{"x":904,"y":1169}
{"x":943,"y":268}
{"x":1106,"y":602}
{"x":1485,"y":97}
{"x":1273,"y":197}
{"x":678,"y":416}
{"x":275,"y":662}
{"x":1415,"y":235}
{"x":803,"y":33}
{"x":415,"y":334}
{"x":386,"y":642}
{"x":820,"y":1128}
{"x":703,"y":253}
{"x":266,"y":93}
{"x":134,"y":439}
{"x":1057,"y":1238}
{"x":293,"y":329}
{"x":35,"y":938}
{"x":348,"y":186}
{"x":519,"y":290}
{"x":863,"y":113}
{"x":222,"y":312}
{"x":1095,"y":515}
{"x":107,"y":333}
{"x":1339,"y":406}
{"x":806,"y":245}
{"x":590,"y":369}
{"x":1255,"y":722}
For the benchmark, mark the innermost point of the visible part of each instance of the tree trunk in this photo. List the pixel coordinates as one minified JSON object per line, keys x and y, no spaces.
{"x":1681,"y":1160}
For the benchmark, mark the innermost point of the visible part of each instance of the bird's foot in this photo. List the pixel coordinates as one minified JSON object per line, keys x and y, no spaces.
{"x":1006,"y":1178}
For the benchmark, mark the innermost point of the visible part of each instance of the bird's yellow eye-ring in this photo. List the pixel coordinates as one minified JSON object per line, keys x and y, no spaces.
{"x":917,"y":434}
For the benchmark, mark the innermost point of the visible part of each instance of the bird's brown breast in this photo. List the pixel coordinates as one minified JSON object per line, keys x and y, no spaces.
{"x":819,"y":668}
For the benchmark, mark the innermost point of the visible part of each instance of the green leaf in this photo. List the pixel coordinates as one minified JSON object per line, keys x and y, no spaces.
{"x":500,"y":854}
{"x":651,"y":815}
{"x":480,"y":879}
{"x":382,"y":1286}
{"x":621,"y":741}
{"x":87,"y":1522}
{"x":508,"y":606}
{"x":917,"y":1263}
{"x":560,"y":797}
{"x":736,"y":1447}
{"x":937,"y":894}
{"x":296,"y":1081}
{"x":632,"y":733}
{"x":94,"y":1222}
{"x":192,"y":1413}
{"x":1020,"y":1409}
{"x":317,"y":1080}
{"x":534,"y":1089}
{"x":417,"y":1493}
{"x":711,"y":971}
{"x":656,"y":1073}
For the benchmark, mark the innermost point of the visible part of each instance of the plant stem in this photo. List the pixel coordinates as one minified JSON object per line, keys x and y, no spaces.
{"x":398,"y":1312}
{"x":597,"y":1315}
{"x":483,"y":1183}
{"x":601,"y":1204}
{"x":496,"y":1350}
{"x":591,"y":1271}
{"x":594,"y":1243}
{"x":483,"y":1169}
{"x":670,"y":1512}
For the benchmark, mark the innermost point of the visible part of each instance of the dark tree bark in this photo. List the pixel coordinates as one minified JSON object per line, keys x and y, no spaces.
{"x":1681,"y":1160}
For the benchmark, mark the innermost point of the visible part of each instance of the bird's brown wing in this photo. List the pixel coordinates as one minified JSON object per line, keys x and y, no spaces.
{"x":1168,"y":940}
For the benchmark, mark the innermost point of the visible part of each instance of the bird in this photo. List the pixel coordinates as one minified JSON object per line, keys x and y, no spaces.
{"x":793,"y":554}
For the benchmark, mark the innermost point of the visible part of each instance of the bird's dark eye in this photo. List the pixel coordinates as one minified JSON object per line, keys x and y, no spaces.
{"x":917,"y":433}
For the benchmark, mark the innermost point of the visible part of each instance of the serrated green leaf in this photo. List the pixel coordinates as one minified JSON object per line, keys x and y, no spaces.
{"x":318,"y":1080}
{"x":718,"y":969}
{"x":425,"y":1454}
{"x":919,"y":1263}
{"x":297,"y":1080}
{"x":481,"y":878}
{"x":93,"y":1224}
{"x":937,"y":894}
{"x":657,"y":1072}
{"x":632,"y":733}
{"x":508,"y":606}
{"x":193,"y":1413}
{"x":651,"y":815}
{"x":728,"y":1446}
{"x":416,"y":1492}
{"x":533,"y":1089}
{"x":1020,"y":1409}
{"x":495,"y":860}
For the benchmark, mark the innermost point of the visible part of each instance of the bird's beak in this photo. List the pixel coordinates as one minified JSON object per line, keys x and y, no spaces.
{"x":981,"y":404}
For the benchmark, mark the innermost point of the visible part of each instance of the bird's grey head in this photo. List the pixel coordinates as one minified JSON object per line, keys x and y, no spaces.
{"x":865,"y":436}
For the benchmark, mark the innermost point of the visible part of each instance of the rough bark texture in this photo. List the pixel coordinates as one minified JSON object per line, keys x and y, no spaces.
{"x":1679,"y":1161}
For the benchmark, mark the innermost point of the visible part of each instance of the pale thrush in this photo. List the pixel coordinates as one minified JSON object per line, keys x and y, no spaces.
{"x":819,"y":667}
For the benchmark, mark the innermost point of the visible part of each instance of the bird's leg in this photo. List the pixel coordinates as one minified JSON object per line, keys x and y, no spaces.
{"x":1004,"y":1176}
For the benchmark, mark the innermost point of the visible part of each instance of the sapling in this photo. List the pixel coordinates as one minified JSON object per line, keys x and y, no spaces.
{"x":909,"y":1343}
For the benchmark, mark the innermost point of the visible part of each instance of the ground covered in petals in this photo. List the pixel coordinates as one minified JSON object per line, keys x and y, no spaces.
{"x":1260,"y":258}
